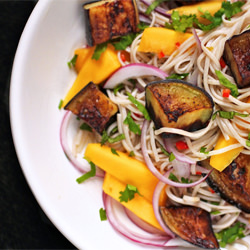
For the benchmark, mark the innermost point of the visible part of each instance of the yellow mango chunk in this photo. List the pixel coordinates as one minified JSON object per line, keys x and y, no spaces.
{"x":126,"y":169}
{"x":138,"y":205}
{"x":161,"y":40}
{"x":211,"y":6}
{"x":221,"y":161}
{"x":82,"y":55}
{"x":94,"y":70}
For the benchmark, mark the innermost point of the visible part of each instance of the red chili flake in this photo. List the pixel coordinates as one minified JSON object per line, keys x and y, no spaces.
{"x":181,"y":145}
{"x":222,"y":63}
{"x":211,"y":190}
{"x":226,"y":92}
{"x":177,"y":44}
{"x":123,"y":57}
{"x":161,"y":55}
{"x":198,"y":172}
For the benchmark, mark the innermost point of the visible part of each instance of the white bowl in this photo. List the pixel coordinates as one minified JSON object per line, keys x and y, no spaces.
{"x":40,"y":78}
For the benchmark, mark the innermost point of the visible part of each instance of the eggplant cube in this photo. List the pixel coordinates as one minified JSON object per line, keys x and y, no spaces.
{"x":93,"y":106}
{"x":106,"y":20}
{"x":237,"y":56}
{"x":178,"y":104}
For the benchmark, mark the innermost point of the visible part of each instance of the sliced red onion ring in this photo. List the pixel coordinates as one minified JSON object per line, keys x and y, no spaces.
{"x":83,"y":168}
{"x":169,"y":145}
{"x":197,"y":40}
{"x":155,"y":172}
{"x":144,"y":18}
{"x":133,"y":70}
{"x":118,"y":224}
{"x":158,"y":9}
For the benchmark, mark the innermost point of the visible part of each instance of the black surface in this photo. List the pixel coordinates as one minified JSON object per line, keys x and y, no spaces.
{"x":23,"y":225}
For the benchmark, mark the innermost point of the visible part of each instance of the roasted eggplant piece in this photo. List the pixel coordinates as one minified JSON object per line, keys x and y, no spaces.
{"x":178,"y":104}
{"x":237,"y":56}
{"x":192,"y":224}
{"x":106,"y":20}
{"x":233,"y":183}
{"x":93,"y":106}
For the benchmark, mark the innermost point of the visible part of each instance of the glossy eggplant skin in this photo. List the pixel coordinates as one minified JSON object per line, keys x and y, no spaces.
{"x":237,"y":56}
{"x":233,"y":183}
{"x":192,"y":224}
{"x":106,"y":20}
{"x":178,"y":104}
{"x":93,"y":106}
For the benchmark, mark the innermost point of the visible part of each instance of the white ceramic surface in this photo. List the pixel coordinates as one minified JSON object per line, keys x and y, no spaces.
{"x":39,"y":80}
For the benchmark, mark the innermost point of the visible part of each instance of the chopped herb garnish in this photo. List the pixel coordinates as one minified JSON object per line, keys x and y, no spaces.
{"x":171,"y":157}
{"x":231,"y":9}
{"x":215,"y":212}
{"x":72,"y":62}
{"x":60,"y":104}
{"x":203,"y":150}
{"x":185,"y":180}
{"x":173,"y":177}
{"x":248,"y":143}
{"x":225,"y":82}
{"x":128,"y":193}
{"x":229,"y":235}
{"x":118,"y":87}
{"x":86,"y":127}
{"x":131,"y":154}
{"x":124,"y":42}
{"x":107,"y":138}
{"x":165,"y":152}
{"x":142,"y":26}
{"x":114,"y":151}
{"x":87,"y":175}
{"x":114,"y":130}
{"x":102,"y":213}
{"x":139,"y":106}
{"x":99,"y":49}
{"x":228,"y":114}
{"x":133,"y":126}
{"x":181,"y":22}
{"x":152,"y":6}
{"x":178,"y":76}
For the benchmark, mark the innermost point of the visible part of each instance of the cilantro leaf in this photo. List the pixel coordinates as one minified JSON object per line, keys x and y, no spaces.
{"x":99,"y":49}
{"x":152,"y":6}
{"x":225,"y":82}
{"x":139,"y":106}
{"x":142,"y":26}
{"x":173,"y":177}
{"x":86,"y":127}
{"x":87,"y":175}
{"x":203,"y":150}
{"x":102,"y":213}
{"x":171,"y":156}
{"x":114,"y":151}
{"x":228,"y":114}
{"x":231,"y":9}
{"x":177,"y":76}
{"x":129,"y":193}
{"x":60,"y":104}
{"x":106,"y":138}
{"x":133,"y":126}
{"x":118,"y":87}
{"x":72,"y":62}
{"x":124,"y":42}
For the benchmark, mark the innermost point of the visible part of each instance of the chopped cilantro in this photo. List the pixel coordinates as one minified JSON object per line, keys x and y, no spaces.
{"x":171,"y":157}
{"x":142,"y":26}
{"x":87,"y":175}
{"x":131,"y":154}
{"x":173,"y":177}
{"x":86,"y":127}
{"x":152,"y":6}
{"x":203,"y":150}
{"x":177,"y":76}
{"x":185,"y":180}
{"x":114,"y":151}
{"x":133,"y":126}
{"x":139,"y":106}
{"x":215,"y":212}
{"x":229,"y":235}
{"x":128,"y":193}
{"x":225,"y":82}
{"x":72,"y":62}
{"x":114,"y":130}
{"x":99,"y":49}
{"x":228,"y":114}
{"x":118,"y":87}
{"x":231,"y":9}
{"x":181,"y":22}
{"x":165,"y":152}
{"x":107,"y":138}
{"x":124,"y":42}
{"x":102,"y":213}
{"x":248,"y":143}
{"x":60,"y":104}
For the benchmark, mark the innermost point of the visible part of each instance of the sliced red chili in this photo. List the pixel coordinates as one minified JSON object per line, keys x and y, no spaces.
{"x":226,"y":92}
{"x":161,"y":55}
{"x":181,"y":145}
{"x":222,"y":63}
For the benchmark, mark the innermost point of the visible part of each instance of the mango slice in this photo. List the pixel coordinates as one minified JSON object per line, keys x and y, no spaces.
{"x":82,"y":55}
{"x":126,"y":169}
{"x":221,"y":161}
{"x":94,"y":70}
{"x":164,"y":40}
{"x":211,"y":6}
{"x":138,"y":205}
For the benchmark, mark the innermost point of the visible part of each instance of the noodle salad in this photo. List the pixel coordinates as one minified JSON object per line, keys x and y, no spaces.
{"x":160,"y":110}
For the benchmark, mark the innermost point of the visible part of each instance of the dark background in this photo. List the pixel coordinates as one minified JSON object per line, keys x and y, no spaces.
{"x":23,"y":225}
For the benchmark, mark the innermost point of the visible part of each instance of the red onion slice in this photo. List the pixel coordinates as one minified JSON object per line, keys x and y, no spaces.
{"x":83,"y":168}
{"x":155,"y":172}
{"x":133,"y":70}
{"x":158,"y":9}
{"x":112,"y":206}
{"x":197,"y":40}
